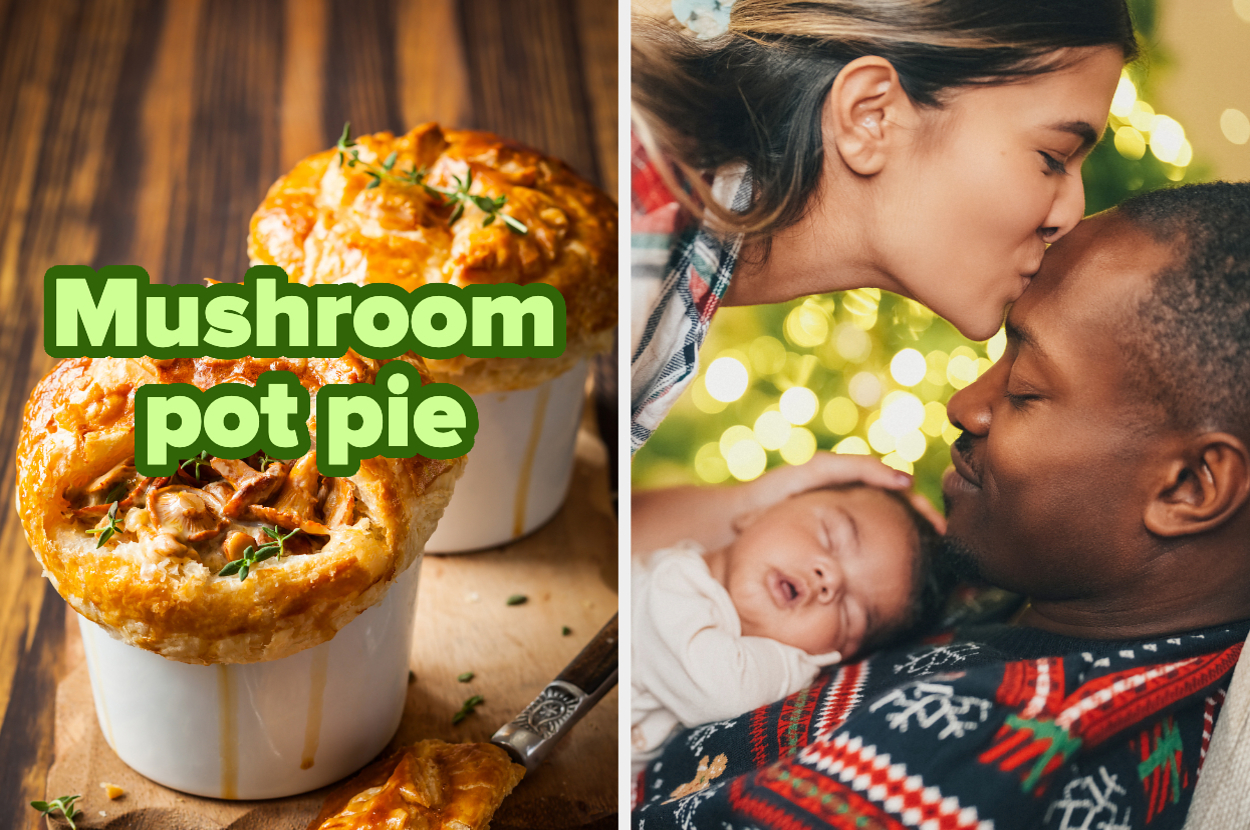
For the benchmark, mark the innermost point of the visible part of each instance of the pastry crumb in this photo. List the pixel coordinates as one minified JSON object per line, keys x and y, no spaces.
{"x":113,"y":791}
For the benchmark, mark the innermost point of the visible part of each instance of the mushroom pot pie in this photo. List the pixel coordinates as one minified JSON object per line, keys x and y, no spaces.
{"x":154,"y":581}
{"x":323,"y":223}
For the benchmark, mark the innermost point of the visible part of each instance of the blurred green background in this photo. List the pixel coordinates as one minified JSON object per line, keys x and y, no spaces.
{"x":869,"y":372}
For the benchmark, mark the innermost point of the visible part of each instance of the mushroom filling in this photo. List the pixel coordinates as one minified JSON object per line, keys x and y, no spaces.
{"x":213,"y":509}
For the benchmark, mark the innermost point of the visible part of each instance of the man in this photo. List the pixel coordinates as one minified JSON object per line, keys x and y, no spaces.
{"x":1103,"y":473}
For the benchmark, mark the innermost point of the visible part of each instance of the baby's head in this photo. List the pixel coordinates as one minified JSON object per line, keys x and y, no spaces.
{"x":844,"y":569}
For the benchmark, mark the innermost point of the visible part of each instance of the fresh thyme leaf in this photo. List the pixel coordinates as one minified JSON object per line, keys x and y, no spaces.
{"x":466,"y":677}
{"x":252,"y":555}
{"x":108,"y":530}
{"x":198,"y":461}
{"x":467,"y":709}
{"x":565,"y":631}
{"x":414,"y":177}
{"x":64,"y":805}
{"x":266,"y":459}
{"x":518,"y":599}
{"x":115,"y":494}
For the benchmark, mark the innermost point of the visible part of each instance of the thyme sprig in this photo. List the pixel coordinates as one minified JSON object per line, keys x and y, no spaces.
{"x":253,"y":555}
{"x":109,"y":529}
{"x":199,"y":462}
{"x":467,"y":709}
{"x":266,"y":459}
{"x":64,"y":804}
{"x":459,"y":196}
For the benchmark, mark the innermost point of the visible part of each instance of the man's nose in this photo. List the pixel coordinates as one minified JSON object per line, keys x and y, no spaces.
{"x":970,"y":408}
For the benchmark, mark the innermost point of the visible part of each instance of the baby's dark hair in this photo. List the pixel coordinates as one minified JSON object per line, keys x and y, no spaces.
{"x":930,"y":585}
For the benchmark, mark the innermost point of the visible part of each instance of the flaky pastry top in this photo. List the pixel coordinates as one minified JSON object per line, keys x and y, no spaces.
{"x":154,"y":582}
{"x":322,"y":223}
{"x":430,"y":785}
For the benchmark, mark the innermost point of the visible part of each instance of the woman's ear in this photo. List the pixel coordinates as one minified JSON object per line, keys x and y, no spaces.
{"x":1203,"y":487}
{"x":864,"y":108}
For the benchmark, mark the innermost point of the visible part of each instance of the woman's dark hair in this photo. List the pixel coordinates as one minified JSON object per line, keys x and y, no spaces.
{"x":755,"y":93}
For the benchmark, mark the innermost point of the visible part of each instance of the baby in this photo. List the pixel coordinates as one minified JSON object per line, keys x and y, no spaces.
{"x":813,"y":580}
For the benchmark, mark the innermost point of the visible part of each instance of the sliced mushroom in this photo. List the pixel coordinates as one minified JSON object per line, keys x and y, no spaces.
{"x":237,"y":542}
{"x":93,"y":510}
{"x":186,"y":513}
{"x":106,"y":482}
{"x":341,"y":503}
{"x":299,"y":493}
{"x":250,"y":486}
{"x":286,"y":520}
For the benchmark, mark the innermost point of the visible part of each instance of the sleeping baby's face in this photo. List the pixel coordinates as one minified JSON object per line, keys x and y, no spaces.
{"x":822,"y":571}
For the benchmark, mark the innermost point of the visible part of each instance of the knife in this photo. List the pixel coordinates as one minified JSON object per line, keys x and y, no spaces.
{"x":530,"y":736}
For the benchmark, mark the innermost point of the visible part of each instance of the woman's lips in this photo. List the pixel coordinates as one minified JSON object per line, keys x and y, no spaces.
{"x":784,"y":590}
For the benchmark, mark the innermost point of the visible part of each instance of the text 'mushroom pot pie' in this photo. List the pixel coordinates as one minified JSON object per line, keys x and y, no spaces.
{"x":323,"y":222}
{"x":154,"y":582}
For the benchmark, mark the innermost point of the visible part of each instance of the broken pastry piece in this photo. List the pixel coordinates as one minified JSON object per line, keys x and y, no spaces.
{"x":142,"y":557}
{"x":431,"y":784}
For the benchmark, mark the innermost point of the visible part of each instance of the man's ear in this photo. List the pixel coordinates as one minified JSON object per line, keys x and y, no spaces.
{"x":1204,"y":485}
{"x":864,"y":109}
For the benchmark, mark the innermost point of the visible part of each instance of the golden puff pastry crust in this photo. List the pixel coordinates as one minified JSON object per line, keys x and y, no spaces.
{"x":154,"y":583}
{"x":322,"y":223}
{"x":430,"y":784}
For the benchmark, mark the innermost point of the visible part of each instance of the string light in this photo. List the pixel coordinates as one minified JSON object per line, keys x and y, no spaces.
{"x":866,"y":372}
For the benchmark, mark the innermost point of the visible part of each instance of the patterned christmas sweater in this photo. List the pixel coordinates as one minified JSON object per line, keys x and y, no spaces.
{"x":1000,"y":727}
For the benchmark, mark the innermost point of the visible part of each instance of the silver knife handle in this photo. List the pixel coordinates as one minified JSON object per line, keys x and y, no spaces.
{"x":529,"y":737}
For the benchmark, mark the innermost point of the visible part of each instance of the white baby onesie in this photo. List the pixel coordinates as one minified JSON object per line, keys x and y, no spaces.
{"x":690,"y":662}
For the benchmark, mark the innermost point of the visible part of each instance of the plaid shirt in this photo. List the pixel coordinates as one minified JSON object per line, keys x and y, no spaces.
{"x":679,"y":272}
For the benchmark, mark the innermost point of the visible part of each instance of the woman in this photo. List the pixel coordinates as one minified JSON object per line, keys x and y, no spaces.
{"x":932,"y":149}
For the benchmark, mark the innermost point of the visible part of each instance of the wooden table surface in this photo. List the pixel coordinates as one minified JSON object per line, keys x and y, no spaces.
{"x":146,"y":131}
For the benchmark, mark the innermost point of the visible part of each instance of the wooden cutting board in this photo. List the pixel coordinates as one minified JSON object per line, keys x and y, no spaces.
{"x":568,"y":572}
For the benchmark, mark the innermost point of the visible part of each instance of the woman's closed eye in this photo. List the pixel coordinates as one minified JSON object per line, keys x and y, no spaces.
{"x":1053,"y":163}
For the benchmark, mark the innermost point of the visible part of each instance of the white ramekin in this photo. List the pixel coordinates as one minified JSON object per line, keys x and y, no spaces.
{"x":519,"y":468}
{"x":258,"y":730}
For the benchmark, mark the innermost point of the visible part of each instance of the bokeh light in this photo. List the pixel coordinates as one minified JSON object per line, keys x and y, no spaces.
{"x":746,"y":460}
{"x":869,"y":372}
{"x":799,"y":404}
{"x":732,"y":436}
{"x":841,"y":416}
{"x":853,"y":446}
{"x":807,"y":325}
{"x":772,"y":430}
{"x":726,"y":379}
{"x":853,"y":343}
{"x":996,"y":345}
{"x":865,"y":389}
{"x":908,"y":367}
{"x":710,"y":464}
{"x":901,"y":412}
{"x":1235,"y":125}
{"x":799,"y":447}
{"x":767,"y":354}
